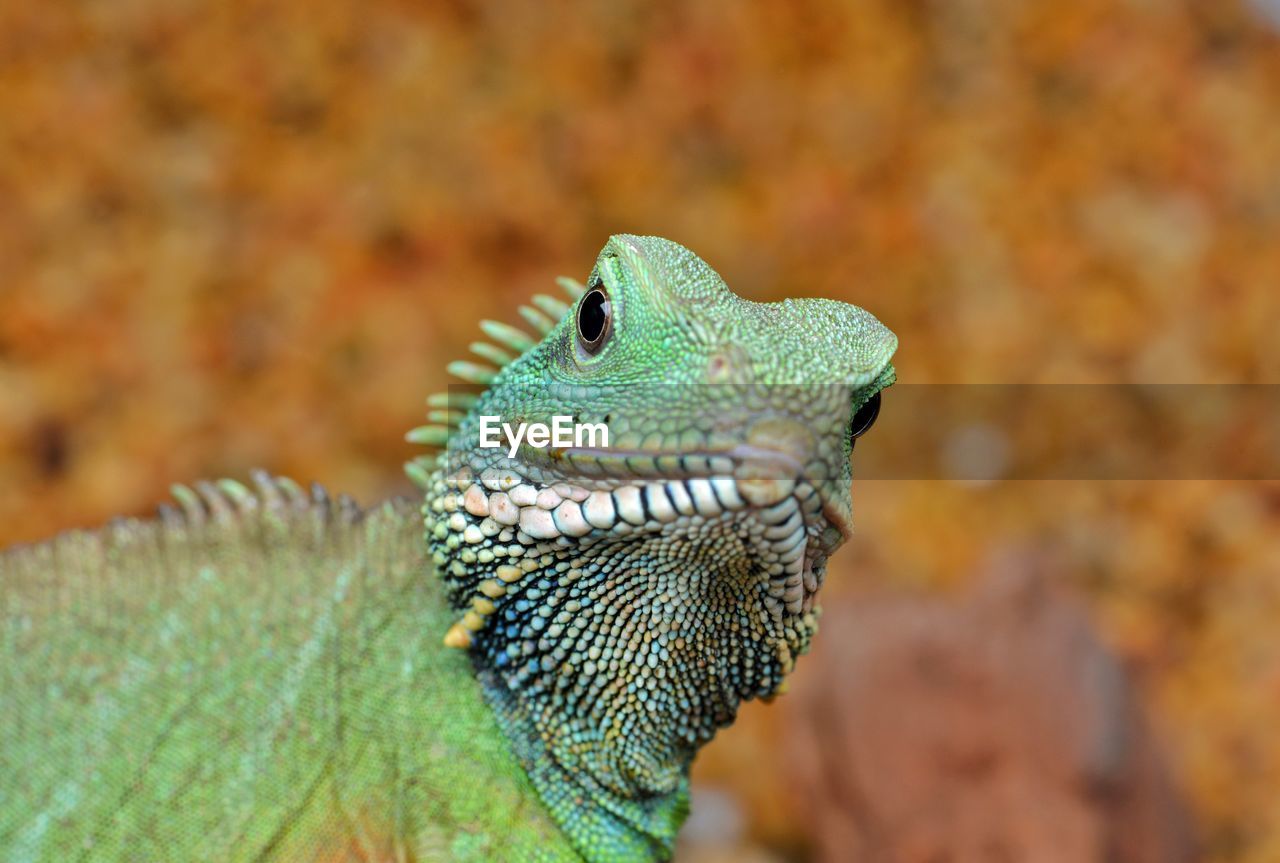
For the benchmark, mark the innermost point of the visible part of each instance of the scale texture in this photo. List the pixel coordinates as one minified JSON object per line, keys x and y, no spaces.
{"x":257,"y":678}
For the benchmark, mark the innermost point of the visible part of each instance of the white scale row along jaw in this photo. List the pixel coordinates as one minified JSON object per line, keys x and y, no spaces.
{"x":499,"y":517}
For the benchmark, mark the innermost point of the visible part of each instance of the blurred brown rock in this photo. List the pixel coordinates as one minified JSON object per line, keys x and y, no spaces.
{"x":990,"y":727}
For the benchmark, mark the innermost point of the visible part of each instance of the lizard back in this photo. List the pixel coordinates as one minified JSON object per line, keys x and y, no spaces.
{"x":253,"y":675}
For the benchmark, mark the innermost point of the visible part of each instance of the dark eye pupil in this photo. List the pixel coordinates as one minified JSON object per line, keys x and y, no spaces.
{"x":593,"y":318}
{"x":865,"y":418}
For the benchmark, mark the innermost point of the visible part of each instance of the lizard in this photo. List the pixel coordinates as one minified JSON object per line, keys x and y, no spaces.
{"x":520,"y":663}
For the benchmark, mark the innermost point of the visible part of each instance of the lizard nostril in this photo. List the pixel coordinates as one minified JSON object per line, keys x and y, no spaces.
{"x":728,"y":365}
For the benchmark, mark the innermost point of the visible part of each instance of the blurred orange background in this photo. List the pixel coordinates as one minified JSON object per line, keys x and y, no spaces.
{"x":248,"y":234}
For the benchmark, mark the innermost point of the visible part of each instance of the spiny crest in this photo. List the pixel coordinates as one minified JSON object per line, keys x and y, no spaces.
{"x":226,"y":501}
{"x":506,"y":344}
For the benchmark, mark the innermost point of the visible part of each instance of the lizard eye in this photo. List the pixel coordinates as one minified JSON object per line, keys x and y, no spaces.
{"x":865,"y":418}
{"x":595,"y":319}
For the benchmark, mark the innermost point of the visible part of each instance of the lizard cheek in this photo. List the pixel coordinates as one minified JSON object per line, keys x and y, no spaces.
{"x":783,"y":435}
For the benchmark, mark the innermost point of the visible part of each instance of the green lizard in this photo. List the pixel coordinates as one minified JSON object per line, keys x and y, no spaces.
{"x":267,"y":674}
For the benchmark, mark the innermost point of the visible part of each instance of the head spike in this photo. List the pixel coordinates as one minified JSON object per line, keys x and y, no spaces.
{"x":452,"y":400}
{"x":419,"y":472}
{"x":508,"y":336}
{"x":448,"y":409}
{"x":429,"y":435}
{"x":537,"y":319}
{"x":493,"y":354}
{"x":472,"y":373}
{"x":572,"y":287}
{"x":555,"y":309}
{"x":445,"y":417}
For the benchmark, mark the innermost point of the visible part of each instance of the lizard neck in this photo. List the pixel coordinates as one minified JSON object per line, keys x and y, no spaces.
{"x":610,"y":657}
{"x":602,"y":822}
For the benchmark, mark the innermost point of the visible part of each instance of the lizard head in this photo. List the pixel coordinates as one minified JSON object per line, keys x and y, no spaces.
{"x":623,"y":595}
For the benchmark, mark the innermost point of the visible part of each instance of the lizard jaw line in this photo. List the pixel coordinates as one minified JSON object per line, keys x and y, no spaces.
{"x":772,"y":473}
{"x":587,"y":464}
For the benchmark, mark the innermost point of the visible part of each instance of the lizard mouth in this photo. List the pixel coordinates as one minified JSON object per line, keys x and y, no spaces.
{"x":795,"y":516}
{"x":761,"y":477}
{"x":779,"y":485}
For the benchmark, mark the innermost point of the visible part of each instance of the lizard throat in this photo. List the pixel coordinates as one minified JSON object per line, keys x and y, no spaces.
{"x":615,"y":630}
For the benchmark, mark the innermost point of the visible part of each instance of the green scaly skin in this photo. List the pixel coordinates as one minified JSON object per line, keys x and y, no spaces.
{"x":259,"y":675}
